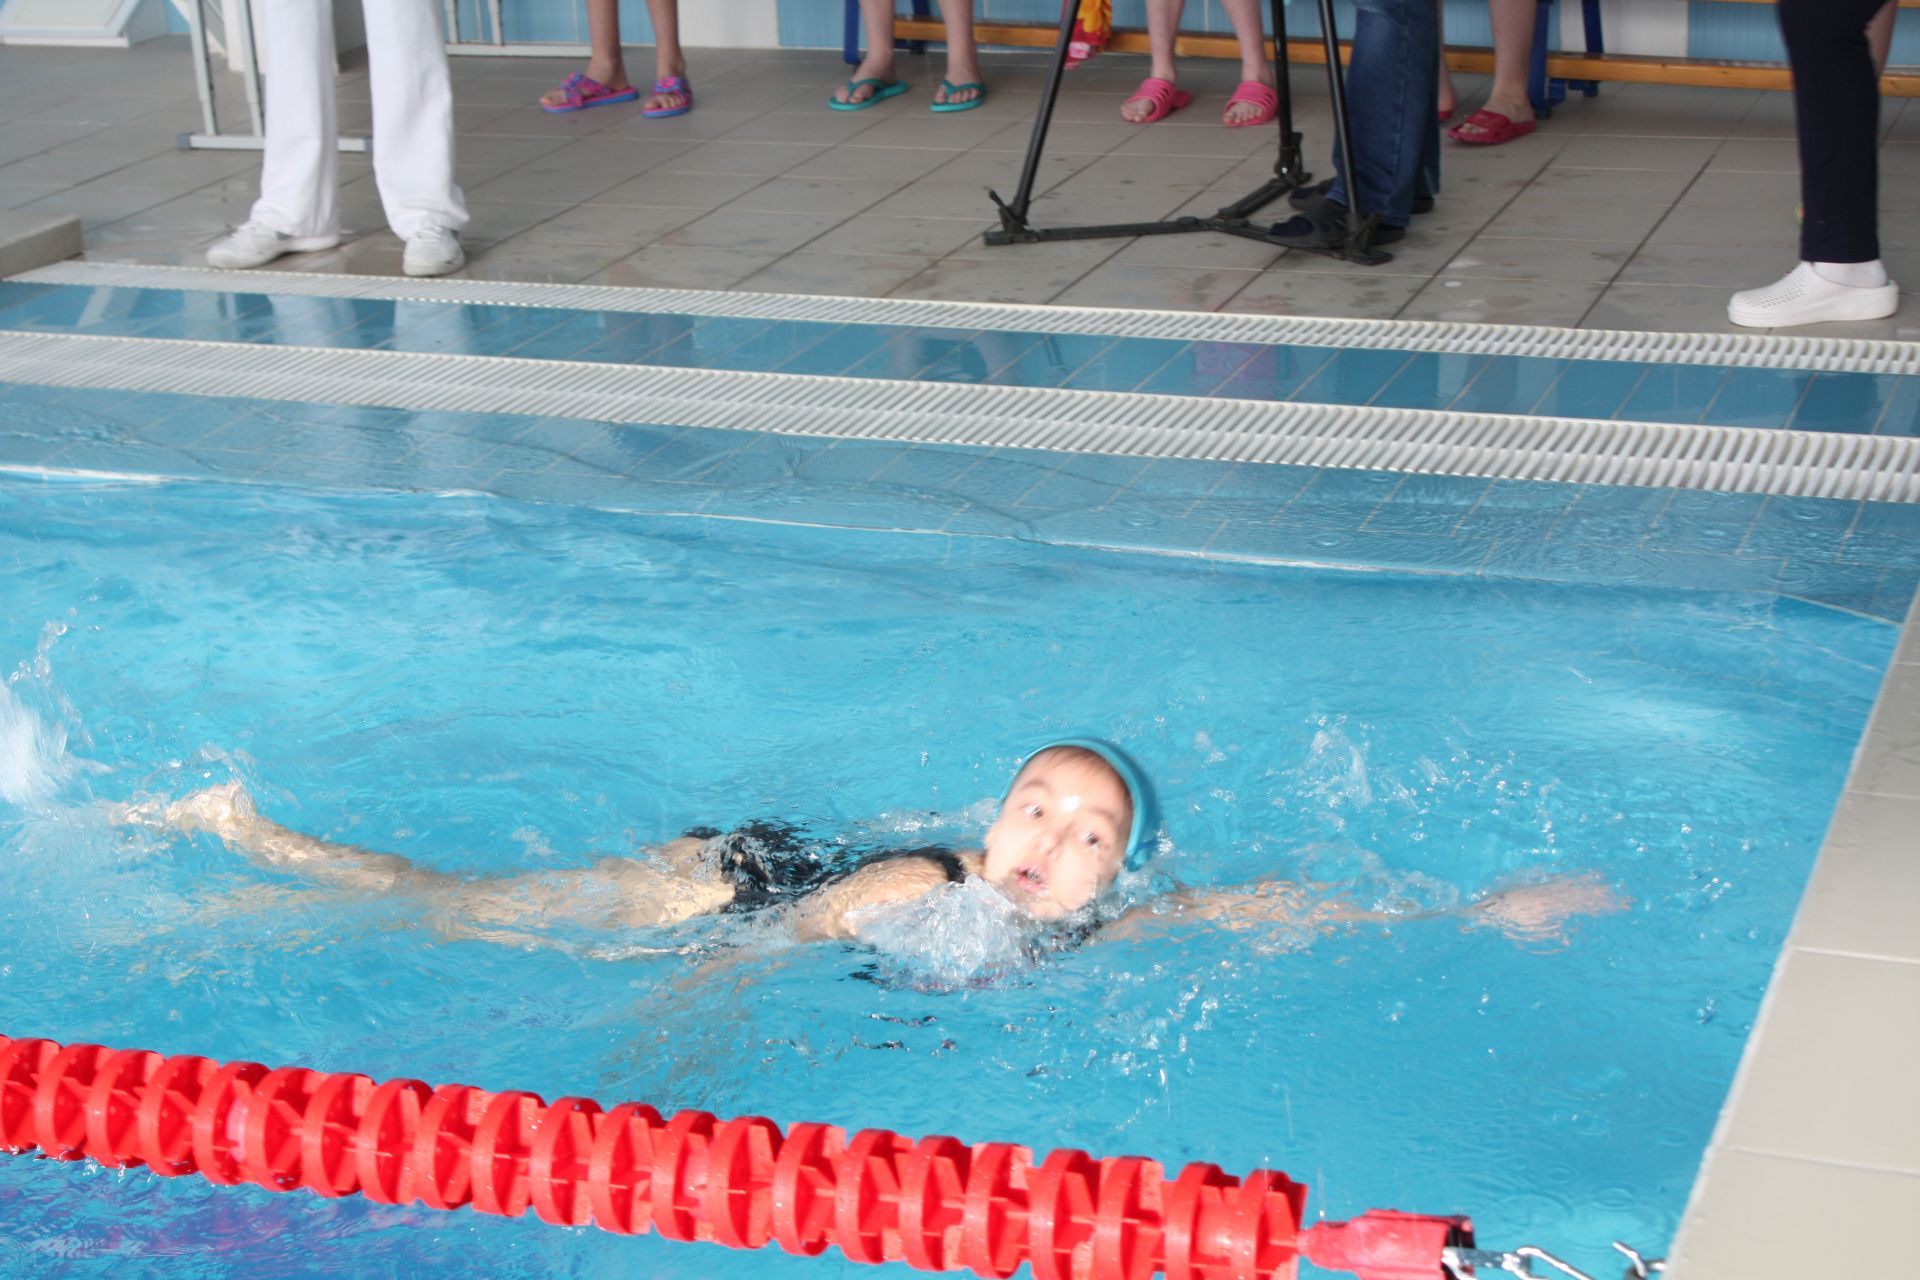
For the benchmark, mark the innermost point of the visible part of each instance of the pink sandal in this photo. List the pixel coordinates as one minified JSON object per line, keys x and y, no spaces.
{"x":1165,"y":96}
{"x":1254,"y":94}
{"x":582,"y":92}
{"x":670,"y":84}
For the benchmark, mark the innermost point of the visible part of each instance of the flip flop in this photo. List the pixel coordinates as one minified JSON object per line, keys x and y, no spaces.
{"x":583,"y":92}
{"x":671,"y":84}
{"x":1165,"y":96}
{"x":952,"y":89}
{"x":1493,"y":127}
{"x":885,"y":89}
{"x":1262,"y":96}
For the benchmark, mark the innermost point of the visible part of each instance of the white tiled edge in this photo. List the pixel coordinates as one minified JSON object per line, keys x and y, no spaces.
{"x":1814,"y":1167}
{"x":1753,"y":350}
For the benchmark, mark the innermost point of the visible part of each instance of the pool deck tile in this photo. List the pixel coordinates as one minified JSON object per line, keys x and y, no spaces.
{"x":1864,"y":899}
{"x":1760,"y":1216}
{"x":1835,"y":1050}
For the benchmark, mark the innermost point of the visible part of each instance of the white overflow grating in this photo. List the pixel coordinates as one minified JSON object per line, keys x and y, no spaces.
{"x":1858,"y":355}
{"x":1734,"y":459}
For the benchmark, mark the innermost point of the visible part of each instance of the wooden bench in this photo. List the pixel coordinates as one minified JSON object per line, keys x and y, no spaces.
{"x":1609,"y":67}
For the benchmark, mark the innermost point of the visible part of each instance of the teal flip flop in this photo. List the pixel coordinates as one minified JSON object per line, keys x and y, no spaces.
{"x":952,"y":89}
{"x":887,"y":89}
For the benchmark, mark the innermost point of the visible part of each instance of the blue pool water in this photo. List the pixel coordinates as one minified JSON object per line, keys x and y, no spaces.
{"x":492,"y":686}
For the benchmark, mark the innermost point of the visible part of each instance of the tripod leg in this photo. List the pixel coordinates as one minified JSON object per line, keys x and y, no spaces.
{"x":1342,"y":127}
{"x":1288,"y":167}
{"x":1013,"y":217}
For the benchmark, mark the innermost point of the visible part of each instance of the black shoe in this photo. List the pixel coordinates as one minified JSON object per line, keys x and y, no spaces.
{"x":1307,"y":197}
{"x":1324,"y":226}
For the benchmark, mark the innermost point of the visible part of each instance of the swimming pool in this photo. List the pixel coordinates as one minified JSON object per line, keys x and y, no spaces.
{"x":486,"y":681}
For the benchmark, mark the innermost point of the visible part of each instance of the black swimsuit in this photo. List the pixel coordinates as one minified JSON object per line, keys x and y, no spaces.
{"x":771,"y":864}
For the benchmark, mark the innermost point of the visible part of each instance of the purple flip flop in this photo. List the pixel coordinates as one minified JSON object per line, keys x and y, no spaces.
{"x":583,"y":92}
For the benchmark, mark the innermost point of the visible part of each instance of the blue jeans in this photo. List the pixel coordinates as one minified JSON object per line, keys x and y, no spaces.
{"x":1392,"y":87}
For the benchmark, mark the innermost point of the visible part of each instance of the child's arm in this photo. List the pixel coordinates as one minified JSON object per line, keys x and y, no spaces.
{"x":824,"y":915}
{"x":1526,"y":911}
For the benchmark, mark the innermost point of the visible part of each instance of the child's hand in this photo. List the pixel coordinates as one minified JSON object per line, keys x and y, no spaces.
{"x":1534,"y":911}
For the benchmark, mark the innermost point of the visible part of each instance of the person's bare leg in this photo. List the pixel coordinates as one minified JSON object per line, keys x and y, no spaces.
{"x":877,"y":17}
{"x":1880,"y":35}
{"x":668,"y":59}
{"x":613,"y":893}
{"x":604,"y":62}
{"x":1163,"y":24}
{"x":1449,"y":97}
{"x":1163,"y":28}
{"x":1512,"y":47}
{"x":1251,"y":37}
{"x":963,"y":55}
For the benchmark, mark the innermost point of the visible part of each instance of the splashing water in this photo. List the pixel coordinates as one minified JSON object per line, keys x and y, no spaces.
{"x":30,"y":753}
{"x":34,"y":761}
{"x":958,"y":934}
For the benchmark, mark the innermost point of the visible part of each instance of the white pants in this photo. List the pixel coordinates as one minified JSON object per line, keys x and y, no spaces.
{"x":412,"y":118}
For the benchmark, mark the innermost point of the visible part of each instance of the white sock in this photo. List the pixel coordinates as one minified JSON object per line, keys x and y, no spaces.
{"x":1858,"y":275}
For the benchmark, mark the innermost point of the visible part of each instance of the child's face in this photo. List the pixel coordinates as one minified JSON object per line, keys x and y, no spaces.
{"x":1061,"y":835}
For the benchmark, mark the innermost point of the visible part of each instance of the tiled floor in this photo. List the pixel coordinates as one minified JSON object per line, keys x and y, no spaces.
{"x":1641,"y":208}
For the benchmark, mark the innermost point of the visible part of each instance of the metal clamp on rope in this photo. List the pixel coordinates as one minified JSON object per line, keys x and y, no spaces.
{"x":1460,"y":1264}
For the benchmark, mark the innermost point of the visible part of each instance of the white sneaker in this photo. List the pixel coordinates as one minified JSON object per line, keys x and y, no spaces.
{"x":1804,"y":296}
{"x":433,"y":252}
{"x":254,"y":244}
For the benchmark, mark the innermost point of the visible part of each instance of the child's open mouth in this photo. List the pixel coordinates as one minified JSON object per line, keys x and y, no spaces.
{"x":1030,"y":880}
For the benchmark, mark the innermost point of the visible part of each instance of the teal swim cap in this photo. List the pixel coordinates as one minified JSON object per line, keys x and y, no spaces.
{"x":1146,"y":814}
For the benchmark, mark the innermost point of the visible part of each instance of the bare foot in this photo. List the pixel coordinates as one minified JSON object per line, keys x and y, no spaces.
{"x":1136,"y":110}
{"x":664,"y":101}
{"x":221,"y":811}
{"x":960,"y":73}
{"x":1536,"y":910}
{"x":1241,"y":112}
{"x":1449,"y":97}
{"x":872,"y":68}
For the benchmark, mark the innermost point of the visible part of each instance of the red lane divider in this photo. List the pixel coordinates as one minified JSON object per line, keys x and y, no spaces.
{"x":936,"y":1203}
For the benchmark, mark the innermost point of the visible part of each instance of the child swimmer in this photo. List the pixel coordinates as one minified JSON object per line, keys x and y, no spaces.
{"x":1078,"y":812}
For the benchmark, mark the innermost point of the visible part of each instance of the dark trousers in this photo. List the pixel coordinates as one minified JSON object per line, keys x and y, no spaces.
{"x":1836,"y":108}
{"x":1391,"y":83}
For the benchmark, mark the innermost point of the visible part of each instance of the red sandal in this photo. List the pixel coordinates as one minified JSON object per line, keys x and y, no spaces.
{"x":1253,"y":93}
{"x":1493,"y":127}
{"x":1165,"y":96}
